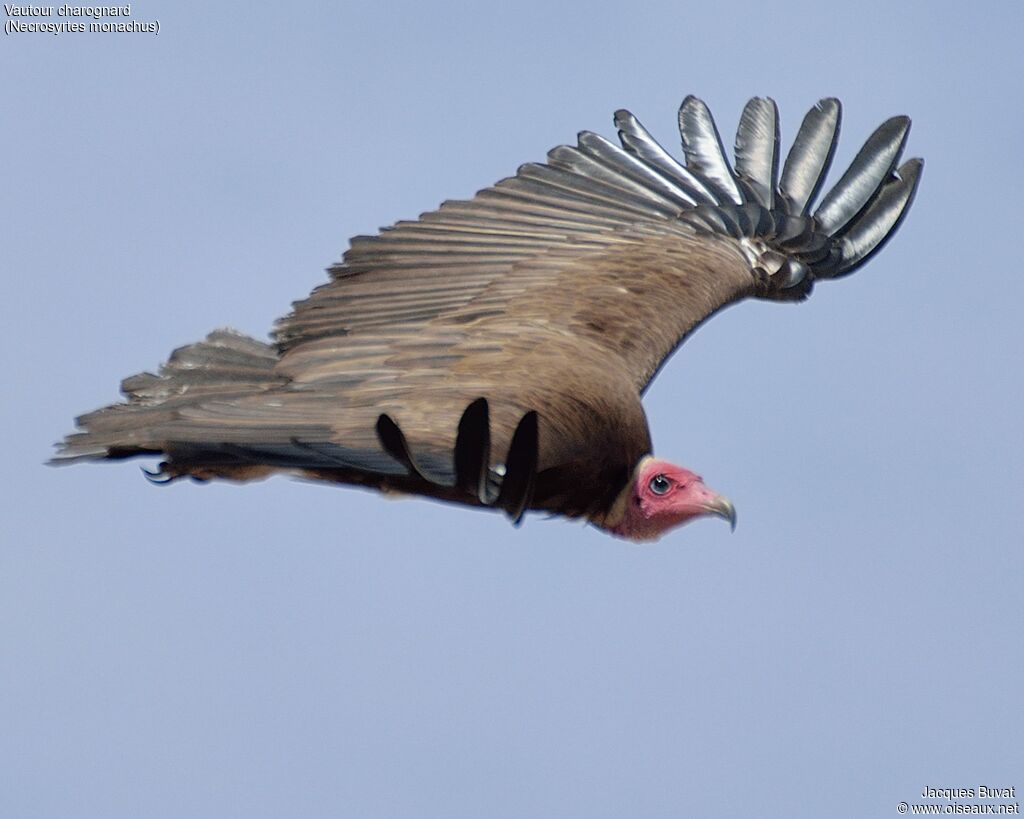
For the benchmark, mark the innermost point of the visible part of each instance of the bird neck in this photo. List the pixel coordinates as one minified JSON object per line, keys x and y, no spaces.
{"x":613,"y":518}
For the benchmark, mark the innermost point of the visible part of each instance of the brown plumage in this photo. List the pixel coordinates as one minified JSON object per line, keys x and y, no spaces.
{"x":494,"y":352}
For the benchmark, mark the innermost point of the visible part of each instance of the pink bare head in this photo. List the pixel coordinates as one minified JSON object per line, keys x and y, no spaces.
{"x":663,"y":496}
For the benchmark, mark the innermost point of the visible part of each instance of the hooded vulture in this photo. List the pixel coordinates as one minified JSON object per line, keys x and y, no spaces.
{"x":494,"y":352}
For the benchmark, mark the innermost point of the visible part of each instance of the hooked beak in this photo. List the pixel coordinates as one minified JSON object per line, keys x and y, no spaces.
{"x":722,"y":507}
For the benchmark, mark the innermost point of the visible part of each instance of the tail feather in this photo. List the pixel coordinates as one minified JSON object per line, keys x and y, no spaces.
{"x":225,"y":357}
{"x":225,"y":365}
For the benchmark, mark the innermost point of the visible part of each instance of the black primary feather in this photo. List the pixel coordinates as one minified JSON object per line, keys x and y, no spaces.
{"x":520,"y":476}
{"x":613,"y":156}
{"x":879,"y":222}
{"x":865,"y":176}
{"x":473,"y":450}
{"x":702,"y":145}
{"x":392,"y":439}
{"x":638,"y":141}
{"x":810,"y":157}
{"x":757,"y":149}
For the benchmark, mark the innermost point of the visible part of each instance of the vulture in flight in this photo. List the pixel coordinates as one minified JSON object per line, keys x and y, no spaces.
{"x":494,"y":352}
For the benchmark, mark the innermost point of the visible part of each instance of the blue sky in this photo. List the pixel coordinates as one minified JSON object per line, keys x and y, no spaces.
{"x":290,"y":649}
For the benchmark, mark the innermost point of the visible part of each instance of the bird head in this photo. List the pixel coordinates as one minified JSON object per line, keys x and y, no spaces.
{"x":662,"y":496}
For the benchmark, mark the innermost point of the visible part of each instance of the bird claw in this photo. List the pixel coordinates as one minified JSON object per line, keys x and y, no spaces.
{"x":159,"y":476}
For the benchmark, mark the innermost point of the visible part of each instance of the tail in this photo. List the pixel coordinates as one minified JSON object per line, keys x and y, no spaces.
{"x":225,"y":365}
{"x":787,"y":246}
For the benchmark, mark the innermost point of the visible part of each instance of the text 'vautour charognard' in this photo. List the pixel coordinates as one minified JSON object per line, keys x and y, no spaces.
{"x":68,"y":19}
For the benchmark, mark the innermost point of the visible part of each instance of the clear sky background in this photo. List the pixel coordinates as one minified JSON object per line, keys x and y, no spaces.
{"x":285,"y":649}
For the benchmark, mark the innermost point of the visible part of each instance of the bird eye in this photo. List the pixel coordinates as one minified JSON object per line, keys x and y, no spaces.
{"x":660,"y":484}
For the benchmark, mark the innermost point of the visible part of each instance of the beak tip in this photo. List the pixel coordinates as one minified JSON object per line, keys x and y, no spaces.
{"x":722,"y":507}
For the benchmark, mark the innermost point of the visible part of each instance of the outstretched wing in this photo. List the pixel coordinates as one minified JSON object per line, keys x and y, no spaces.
{"x":619,"y":245}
